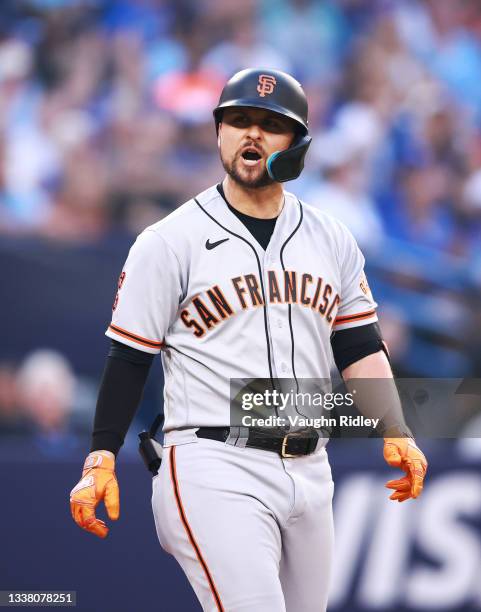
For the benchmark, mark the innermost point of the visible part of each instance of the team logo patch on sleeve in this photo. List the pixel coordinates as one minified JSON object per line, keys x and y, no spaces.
{"x":119,"y":287}
{"x":121,"y":280}
{"x":364,"y":285}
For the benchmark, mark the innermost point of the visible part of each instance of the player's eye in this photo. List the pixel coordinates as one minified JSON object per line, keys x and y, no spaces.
{"x":273,"y":125}
{"x":237,"y":119}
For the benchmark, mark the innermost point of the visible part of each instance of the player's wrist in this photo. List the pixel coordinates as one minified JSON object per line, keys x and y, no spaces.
{"x":106,"y":440}
{"x":397,"y":430}
{"x":104,"y":459}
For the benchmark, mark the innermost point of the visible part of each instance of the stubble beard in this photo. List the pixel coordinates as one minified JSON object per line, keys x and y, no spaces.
{"x":249,"y":179}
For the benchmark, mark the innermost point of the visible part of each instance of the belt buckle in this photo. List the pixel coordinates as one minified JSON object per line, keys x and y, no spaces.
{"x":284,"y":453}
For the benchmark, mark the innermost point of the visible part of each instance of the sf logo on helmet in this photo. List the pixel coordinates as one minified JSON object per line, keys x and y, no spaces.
{"x":266,"y":84}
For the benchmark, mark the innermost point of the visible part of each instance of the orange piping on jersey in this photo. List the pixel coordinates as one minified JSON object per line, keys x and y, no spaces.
{"x":354,"y":317}
{"x":183,"y":518}
{"x":135,"y":338}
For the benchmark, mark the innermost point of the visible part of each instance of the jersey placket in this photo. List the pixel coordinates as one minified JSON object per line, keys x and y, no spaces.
{"x":277,"y":314}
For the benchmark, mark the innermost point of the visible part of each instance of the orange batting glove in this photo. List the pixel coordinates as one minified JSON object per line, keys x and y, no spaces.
{"x":98,"y":482}
{"x":403,"y":453}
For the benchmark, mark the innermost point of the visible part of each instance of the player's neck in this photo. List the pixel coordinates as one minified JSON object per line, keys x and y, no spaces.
{"x":263,"y":203}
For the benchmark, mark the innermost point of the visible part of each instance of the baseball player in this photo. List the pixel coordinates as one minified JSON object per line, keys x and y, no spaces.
{"x":243,"y":281}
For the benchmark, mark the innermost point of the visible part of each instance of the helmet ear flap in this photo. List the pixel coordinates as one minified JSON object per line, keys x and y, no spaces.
{"x":287,"y":165}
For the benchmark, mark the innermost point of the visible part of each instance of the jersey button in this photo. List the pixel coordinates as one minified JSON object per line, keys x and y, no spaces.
{"x":279,"y":323}
{"x":284,"y":367}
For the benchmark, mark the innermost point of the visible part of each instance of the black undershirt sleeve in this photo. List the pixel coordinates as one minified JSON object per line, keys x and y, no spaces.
{"x":120,"y":392}
{"x":350,"y":345}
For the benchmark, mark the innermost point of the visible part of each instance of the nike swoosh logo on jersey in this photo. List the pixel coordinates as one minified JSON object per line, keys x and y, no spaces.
{"x":211,"y":245}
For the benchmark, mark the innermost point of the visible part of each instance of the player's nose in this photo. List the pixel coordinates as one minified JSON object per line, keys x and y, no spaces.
{"x":254,"y":131}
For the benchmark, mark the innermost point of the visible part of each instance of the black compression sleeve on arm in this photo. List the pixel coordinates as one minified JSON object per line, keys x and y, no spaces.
{"x":350,"y":345}
{"x":119,"y":396}
{"x":127,"y":353}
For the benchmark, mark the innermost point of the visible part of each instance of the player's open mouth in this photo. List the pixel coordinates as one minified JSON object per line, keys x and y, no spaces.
{"x":251,"y":156}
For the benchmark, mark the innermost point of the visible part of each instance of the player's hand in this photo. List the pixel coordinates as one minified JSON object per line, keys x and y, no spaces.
{"x":98,"y":482}
{"x":403,"y":453}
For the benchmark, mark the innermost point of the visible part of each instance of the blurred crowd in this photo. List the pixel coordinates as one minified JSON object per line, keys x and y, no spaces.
{"x":44,"y":398}
{"x":106,"y":110}
{"x":106,"y":126}
{"x":38,"y":399}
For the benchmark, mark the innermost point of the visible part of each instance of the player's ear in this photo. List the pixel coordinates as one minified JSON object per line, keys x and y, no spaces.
{"x":295,"y":137}
{"x":218,"y":135}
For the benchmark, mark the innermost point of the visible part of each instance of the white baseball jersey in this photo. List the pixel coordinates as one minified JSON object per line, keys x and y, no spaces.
{"x":198,"y":287}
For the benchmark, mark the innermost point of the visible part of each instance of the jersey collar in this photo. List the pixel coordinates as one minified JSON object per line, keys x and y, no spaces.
{"x":216,"y":207}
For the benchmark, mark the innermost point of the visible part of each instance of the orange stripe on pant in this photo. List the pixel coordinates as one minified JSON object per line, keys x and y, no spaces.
{"x":183,"y":518}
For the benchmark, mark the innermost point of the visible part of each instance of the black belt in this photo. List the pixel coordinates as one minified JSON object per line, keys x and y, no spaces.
{"x":288,"y":445}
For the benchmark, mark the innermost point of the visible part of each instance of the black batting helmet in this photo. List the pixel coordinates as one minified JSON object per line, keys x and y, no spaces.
{"x":280,"y":93}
